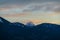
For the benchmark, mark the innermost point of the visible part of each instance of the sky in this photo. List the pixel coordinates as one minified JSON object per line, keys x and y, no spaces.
{"x":36,"y":11}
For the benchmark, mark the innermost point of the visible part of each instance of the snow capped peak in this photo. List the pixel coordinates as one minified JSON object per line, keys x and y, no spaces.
{"x":30,"y":24}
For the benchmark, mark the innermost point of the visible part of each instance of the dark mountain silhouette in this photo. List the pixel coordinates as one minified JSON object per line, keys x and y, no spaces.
{"x":2,"y":20}
{"x":18,"y":24}
{"x":19,"y":31}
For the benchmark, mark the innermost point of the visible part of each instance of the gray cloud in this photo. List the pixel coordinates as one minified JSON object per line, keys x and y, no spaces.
{"x":30,"y":5}
{"x":5,"y":3}
{"x":24,"y":1}
{"x":47,"y":6}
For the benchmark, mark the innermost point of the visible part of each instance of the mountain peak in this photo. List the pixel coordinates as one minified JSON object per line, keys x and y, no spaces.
{"x":2,"y":20}
{"x":30,"y":24}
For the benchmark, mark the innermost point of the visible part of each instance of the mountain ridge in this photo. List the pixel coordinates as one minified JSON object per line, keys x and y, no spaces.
{"x":27,"y":23}
{"x":19,"y":31}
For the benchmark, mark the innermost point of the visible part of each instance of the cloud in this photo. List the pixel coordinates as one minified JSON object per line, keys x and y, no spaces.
{"x":43,"y":7}
{"x":10,"y":10}
{"x":32,"y":7}
{"x":15,"y":15}
{"x":25,"y":1}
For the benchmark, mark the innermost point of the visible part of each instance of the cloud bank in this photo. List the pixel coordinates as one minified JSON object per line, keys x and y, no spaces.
{"x":32,"y":7}
{"x":43,"y":7}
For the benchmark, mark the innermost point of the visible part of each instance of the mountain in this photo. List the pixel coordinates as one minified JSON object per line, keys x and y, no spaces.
{"x":47,"y":31}
{"x":48,"y":25}
{"x":30,"y":24}
{"x":2,"y":20}
{"x":8,"y":29}
{"x":18,"y":24}
{"x":19,"y":31}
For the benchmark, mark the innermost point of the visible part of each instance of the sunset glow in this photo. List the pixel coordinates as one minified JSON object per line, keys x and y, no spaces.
{"x":34,"y":11}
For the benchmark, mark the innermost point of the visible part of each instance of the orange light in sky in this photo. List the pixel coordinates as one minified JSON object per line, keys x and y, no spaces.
{"x":35,"y":21}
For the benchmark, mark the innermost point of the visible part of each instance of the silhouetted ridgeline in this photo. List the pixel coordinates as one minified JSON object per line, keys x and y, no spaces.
{"x":19,"y":31}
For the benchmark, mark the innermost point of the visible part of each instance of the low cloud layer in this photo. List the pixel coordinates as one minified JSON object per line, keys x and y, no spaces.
{"x":32,"y":7}
{"x":43,"y":7}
